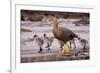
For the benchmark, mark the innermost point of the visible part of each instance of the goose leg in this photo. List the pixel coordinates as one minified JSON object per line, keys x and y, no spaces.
{"x":61,"y":45}
{"x":74,"y":51}
{"x":48,"y":46}
{"x":74,"y":44}
{"x":40,"y":50}
{"x":70,"y":44}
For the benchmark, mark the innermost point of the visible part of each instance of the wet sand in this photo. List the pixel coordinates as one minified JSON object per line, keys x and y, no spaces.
{"x":54,"y":56}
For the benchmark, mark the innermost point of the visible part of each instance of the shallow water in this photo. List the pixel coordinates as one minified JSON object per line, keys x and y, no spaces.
{"x":29,"y":48}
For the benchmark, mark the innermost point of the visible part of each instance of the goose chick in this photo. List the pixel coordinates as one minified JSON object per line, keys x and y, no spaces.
{"x":39,"y":41}
{"x":48,"y":41}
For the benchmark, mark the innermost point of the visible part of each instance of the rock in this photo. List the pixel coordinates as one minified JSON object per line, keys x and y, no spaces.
{"x":25,"y":30}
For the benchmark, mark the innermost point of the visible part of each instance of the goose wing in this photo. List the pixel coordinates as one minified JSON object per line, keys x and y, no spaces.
{"x":67,"y":34}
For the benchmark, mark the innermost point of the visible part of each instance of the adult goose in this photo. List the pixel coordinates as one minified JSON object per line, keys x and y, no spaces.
{"x":62,"y":33}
